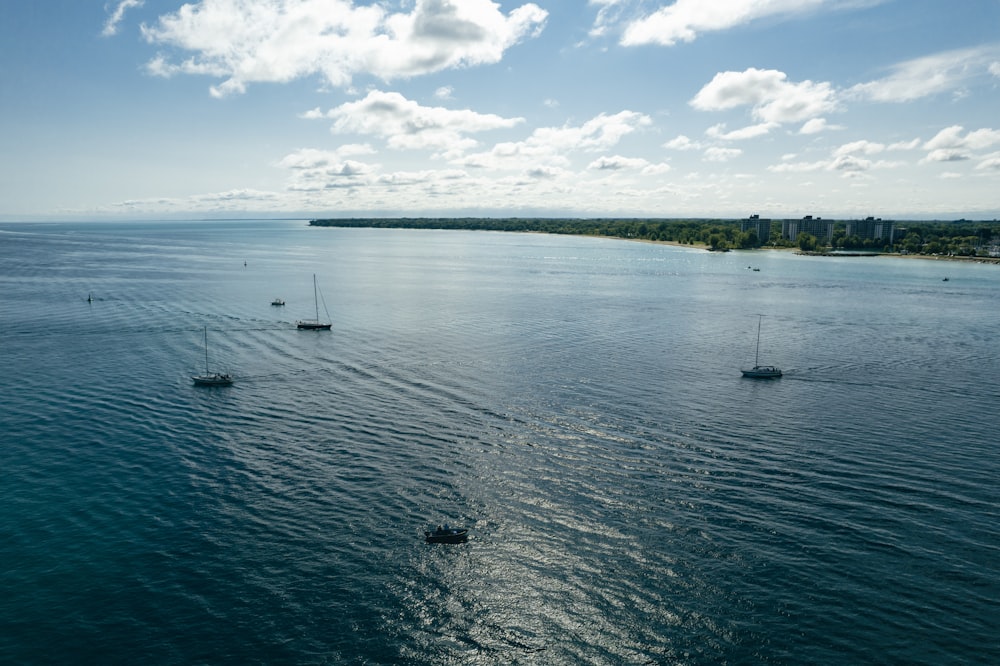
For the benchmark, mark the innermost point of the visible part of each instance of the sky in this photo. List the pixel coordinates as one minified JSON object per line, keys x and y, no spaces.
{"x":134,"y":109}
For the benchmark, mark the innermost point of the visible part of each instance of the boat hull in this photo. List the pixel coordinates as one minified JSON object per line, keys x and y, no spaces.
{"x":447,"y":536}
{"x":212,"y":380}
{"x":762,"y":372}
{"x":313,"y":326}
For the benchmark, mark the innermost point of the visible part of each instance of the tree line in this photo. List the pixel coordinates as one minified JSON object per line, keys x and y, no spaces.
{"x":960,"y":237}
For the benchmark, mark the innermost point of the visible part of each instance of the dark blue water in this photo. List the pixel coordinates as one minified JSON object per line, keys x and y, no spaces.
{"x":576,"y":402}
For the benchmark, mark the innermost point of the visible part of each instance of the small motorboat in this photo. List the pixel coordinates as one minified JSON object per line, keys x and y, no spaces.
{"x":278,"y":301}
{"x":447,"y":535}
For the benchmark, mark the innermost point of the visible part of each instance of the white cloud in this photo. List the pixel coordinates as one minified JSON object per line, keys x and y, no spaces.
{"x":444,"y":92}
{"x":994,"y":69}
{"x":115,"y":19}
{"x":772,"y":97}
{"x":311,"y":158}
{"x":656,"y":169}
{"x":716,"y":154}
{"x":326,"y":162}
{"x":949,"y":137}
{"x":684,"y":19}
{"x":236,"y":200}
{"x":608,"y":15}
{"x":405,"y":124}
{"x":849,"y":163}
{"x":949,"y":145}
{"x":905,"y":145}
{"x":991,"y":161}
{"x":552,"y":145}
{"x":849,"y":159}
{"x":318,"y":171}
{"x":617,"y":162}
{"x":751,"y":132}
{"x":929,"y":75}
{"x":547,"y":172}
{"x":817,"y":125}
{"x":598,"y":133}
{"x":799,"y":167}
{"x":982,"y":138}
{"x":281,"y":40}
{"x":682,"y":142}
{"x":946,"y":155}
{"x":863,"y":147}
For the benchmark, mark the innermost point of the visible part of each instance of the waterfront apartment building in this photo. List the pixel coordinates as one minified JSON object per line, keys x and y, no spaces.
{"x":818,"y":227}
{"x":871,"y":228}
{"x":762,"y":227}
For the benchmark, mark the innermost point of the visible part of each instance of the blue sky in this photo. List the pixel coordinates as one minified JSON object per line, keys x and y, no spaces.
{"x":835,"y":108}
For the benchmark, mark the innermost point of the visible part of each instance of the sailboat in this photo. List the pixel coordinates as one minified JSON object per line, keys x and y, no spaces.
{"x":761,"y":371}
{"x":211,"y":378}
{"x":316,"y":324}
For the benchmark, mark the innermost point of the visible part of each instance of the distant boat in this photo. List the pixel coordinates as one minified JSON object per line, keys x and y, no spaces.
{"x":447,"y":535}
{"x":211,"y":378}
{"x":316,"y":324}
{"x":278,"y":301}
{"x":761,"y":371}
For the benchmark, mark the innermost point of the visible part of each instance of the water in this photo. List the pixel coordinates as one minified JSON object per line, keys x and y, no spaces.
{"x":576,"y":402}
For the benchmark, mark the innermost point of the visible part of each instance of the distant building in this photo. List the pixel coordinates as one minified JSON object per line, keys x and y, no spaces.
{"x":762,"y":227}
{"x":818,"y":227}
{"x":871,"y":228}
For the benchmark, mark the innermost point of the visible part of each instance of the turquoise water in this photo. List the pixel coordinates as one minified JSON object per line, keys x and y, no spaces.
{"x":576,"y":402}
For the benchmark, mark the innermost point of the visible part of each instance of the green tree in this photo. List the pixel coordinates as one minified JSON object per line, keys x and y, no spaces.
{"x":807,"y":242}
{"x":749,"y":239}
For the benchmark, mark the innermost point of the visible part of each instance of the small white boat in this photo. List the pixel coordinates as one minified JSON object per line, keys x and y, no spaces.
{"x":759,"y":371}
{"x":211,"y":378}
{"x":278,"y":301}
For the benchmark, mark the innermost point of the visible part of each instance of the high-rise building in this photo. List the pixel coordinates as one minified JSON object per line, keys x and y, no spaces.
{"x":871,"y":228}
{"x":818,"y":227}
{"x":762,"y":227}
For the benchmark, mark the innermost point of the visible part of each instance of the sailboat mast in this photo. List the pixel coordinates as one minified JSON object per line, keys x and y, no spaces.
{"x":315,"y":297}
{"x":206,"y":350}
{"x":756,"y":356}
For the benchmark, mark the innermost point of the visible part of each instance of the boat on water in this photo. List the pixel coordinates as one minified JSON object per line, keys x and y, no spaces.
{"x":211,"y":378}
{"x":759,"y":371}
{"x":316,"y":324}
{"x":447,"y":535}
{"x":278,"y":301}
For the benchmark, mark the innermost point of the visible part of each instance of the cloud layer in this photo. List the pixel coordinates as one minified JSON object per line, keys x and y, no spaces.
{"x":592,"y":108}
{"x":281,"y":40}
{"x":684,"y":20}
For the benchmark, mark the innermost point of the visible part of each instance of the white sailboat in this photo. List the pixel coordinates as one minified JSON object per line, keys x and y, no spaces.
{"x":211,"y":378}
{"x":316,"y":324}
{"x":761,"y":371}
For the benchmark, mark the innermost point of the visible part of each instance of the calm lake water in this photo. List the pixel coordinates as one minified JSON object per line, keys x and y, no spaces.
{"x":576,"y":402}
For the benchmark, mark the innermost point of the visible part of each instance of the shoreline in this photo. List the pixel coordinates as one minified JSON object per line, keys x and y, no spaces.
{"x":694,"y":246}
{"x":851,"y":255}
